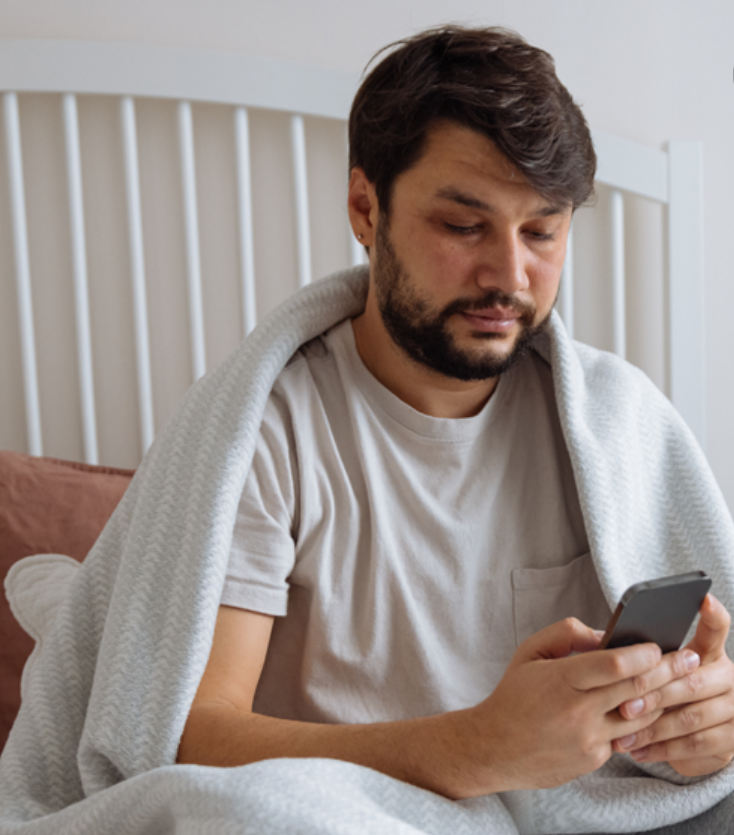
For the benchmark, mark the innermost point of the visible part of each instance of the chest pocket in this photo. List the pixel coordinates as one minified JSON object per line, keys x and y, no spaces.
{"x":542,"y":596}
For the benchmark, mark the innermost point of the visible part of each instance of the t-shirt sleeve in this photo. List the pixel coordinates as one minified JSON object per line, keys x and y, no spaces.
{"x":263,"y":548}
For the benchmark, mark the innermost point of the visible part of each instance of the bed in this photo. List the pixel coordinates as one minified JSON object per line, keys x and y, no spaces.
{"x":155,"y":204}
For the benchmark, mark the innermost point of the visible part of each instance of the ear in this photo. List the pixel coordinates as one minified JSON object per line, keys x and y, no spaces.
{"x":362,"y":206}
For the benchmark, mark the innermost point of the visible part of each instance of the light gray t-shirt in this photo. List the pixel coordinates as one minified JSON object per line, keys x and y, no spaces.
{"x":405,"y":556}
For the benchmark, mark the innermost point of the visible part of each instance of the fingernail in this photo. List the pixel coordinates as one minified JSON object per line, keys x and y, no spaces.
{"x":635,"y":707}
{"x":639,"y":755}
{"x":627,"y":741}
{"x":692,"y":661}
{"x":599,"y":633}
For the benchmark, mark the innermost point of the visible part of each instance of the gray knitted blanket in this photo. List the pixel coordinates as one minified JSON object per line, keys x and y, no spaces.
{"x":94,"y":746}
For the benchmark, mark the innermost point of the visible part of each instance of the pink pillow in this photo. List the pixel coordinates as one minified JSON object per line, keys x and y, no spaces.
{"x":46,"y":506}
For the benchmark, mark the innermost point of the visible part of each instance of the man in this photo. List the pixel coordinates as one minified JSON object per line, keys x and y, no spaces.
{"x":412,"y":493}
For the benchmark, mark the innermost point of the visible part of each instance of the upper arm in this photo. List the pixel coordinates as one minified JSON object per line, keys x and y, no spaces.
{"x":236,"y":660}
{"x":262,"y":555}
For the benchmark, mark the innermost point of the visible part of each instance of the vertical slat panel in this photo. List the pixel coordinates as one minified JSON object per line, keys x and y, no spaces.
{"x":191,"y":225}
{"x":686,"y":290}
{"x":81,"y":285}
{"x":23,"y":274}
{"x":137,"y":267}
{"x":618,"y":307}
{"x":244,"y":200}
{"x":567,"y":291}
{"x":298,"y":145}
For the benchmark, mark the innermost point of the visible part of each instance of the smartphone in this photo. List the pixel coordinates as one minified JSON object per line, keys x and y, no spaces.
{"x":657,"y":611}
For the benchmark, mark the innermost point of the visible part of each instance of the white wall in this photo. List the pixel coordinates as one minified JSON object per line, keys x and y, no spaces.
{"x":650,"y":71}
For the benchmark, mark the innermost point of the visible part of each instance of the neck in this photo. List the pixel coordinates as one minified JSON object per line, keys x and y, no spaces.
{"x":417,"y":385}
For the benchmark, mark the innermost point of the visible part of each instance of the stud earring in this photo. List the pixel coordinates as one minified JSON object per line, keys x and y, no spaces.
{"x":359,"y":237}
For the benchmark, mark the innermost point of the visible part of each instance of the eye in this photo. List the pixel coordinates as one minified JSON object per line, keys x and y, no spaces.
{"x":541,"y":236}
{"x":462,"y":230}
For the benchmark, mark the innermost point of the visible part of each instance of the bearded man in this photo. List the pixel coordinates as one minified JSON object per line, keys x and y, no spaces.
{"x":411,"y":584}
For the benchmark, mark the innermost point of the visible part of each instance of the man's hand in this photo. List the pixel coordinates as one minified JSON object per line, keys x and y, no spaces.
{"x":695,"y":734}
{"x":554,"y":715}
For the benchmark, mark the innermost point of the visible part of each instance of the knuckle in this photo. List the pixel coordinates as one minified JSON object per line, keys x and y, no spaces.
{"x":617,"y":665}
{"x":694,"y":683}
{"x":571,"y":624}
{"x":598,"y":757}
{"x":644,"y":737}
{"x":678,"y":665}
{"x":695,"y":742}
{"x":653,"y":699}
{"x":594,"y":753}
{"x":641,"y":684}
{"x":689,"y":718}
{"x":652,"y":655}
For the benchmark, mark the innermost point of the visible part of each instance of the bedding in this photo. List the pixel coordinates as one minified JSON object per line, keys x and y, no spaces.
{"x":46,"y":506}
{"x":94,"y":745}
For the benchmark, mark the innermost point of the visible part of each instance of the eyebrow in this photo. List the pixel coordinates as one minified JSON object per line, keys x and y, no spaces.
{"x":457,"y":196}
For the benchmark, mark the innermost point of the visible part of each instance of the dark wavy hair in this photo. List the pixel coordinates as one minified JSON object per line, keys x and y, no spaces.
{"x":489,"y":80}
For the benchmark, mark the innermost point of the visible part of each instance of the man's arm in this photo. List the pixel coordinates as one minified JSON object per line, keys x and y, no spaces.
{"x":552,"y":717}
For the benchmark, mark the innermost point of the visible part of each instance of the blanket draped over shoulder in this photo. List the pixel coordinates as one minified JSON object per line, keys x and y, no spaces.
{"x":94,"y":747}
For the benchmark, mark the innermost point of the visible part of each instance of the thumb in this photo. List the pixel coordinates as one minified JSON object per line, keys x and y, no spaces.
{"x":712,"y":630}
{"x":558,"y":641}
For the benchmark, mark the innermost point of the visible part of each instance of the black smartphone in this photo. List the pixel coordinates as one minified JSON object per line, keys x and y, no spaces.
{"x":657,"y":611}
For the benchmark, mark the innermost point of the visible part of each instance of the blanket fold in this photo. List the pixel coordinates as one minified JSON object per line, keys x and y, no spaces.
{"x":107,"y":701}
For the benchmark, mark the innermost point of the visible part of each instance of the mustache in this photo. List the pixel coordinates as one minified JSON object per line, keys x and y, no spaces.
{"x":492,"y":298}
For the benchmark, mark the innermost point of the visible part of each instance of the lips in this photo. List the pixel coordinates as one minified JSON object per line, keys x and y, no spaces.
{"x":492,"y":320}
{"x":498,"y":313}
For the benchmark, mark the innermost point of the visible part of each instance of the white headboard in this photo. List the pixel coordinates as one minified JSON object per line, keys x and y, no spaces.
{"x":190,"y":95}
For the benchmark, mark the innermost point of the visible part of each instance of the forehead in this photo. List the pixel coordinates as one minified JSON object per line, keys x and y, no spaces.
{"x":460,"y":165}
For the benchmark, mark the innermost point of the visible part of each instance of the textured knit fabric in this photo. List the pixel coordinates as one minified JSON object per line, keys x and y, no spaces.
{"x":93,"y":748}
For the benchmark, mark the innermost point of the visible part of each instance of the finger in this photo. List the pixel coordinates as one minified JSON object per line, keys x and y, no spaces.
{"x":682,"y":722}
{"x":608,"y":667}
{"x":706,"y":682}
{"x":641,"y":688}
{"x":558,"y":641}
{"x":624,"y":734}
{"x":712,"y":630}
{"x":717,"y":741}
{"x":673,"y":682}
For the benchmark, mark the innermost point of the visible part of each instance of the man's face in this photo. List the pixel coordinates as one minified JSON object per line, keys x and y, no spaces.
{"x":467,"y":266}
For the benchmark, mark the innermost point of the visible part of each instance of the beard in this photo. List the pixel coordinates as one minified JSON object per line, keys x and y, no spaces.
{"x":423,"y":333}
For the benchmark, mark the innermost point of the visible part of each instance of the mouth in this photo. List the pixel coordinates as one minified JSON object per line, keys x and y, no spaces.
{"x":492,"y":320}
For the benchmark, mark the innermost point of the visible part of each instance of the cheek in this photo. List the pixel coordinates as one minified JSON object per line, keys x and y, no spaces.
{"x":544,"y":289}
{"x":440,"y":263}
{"x":453,"y":262}
{"x":546,"y":277}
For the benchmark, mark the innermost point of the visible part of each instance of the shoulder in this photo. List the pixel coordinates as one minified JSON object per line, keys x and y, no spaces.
{"x":310,"y":379}
{"x":317,"y":352}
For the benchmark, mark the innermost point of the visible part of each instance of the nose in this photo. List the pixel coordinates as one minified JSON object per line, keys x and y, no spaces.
{"x":502,"y":265}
